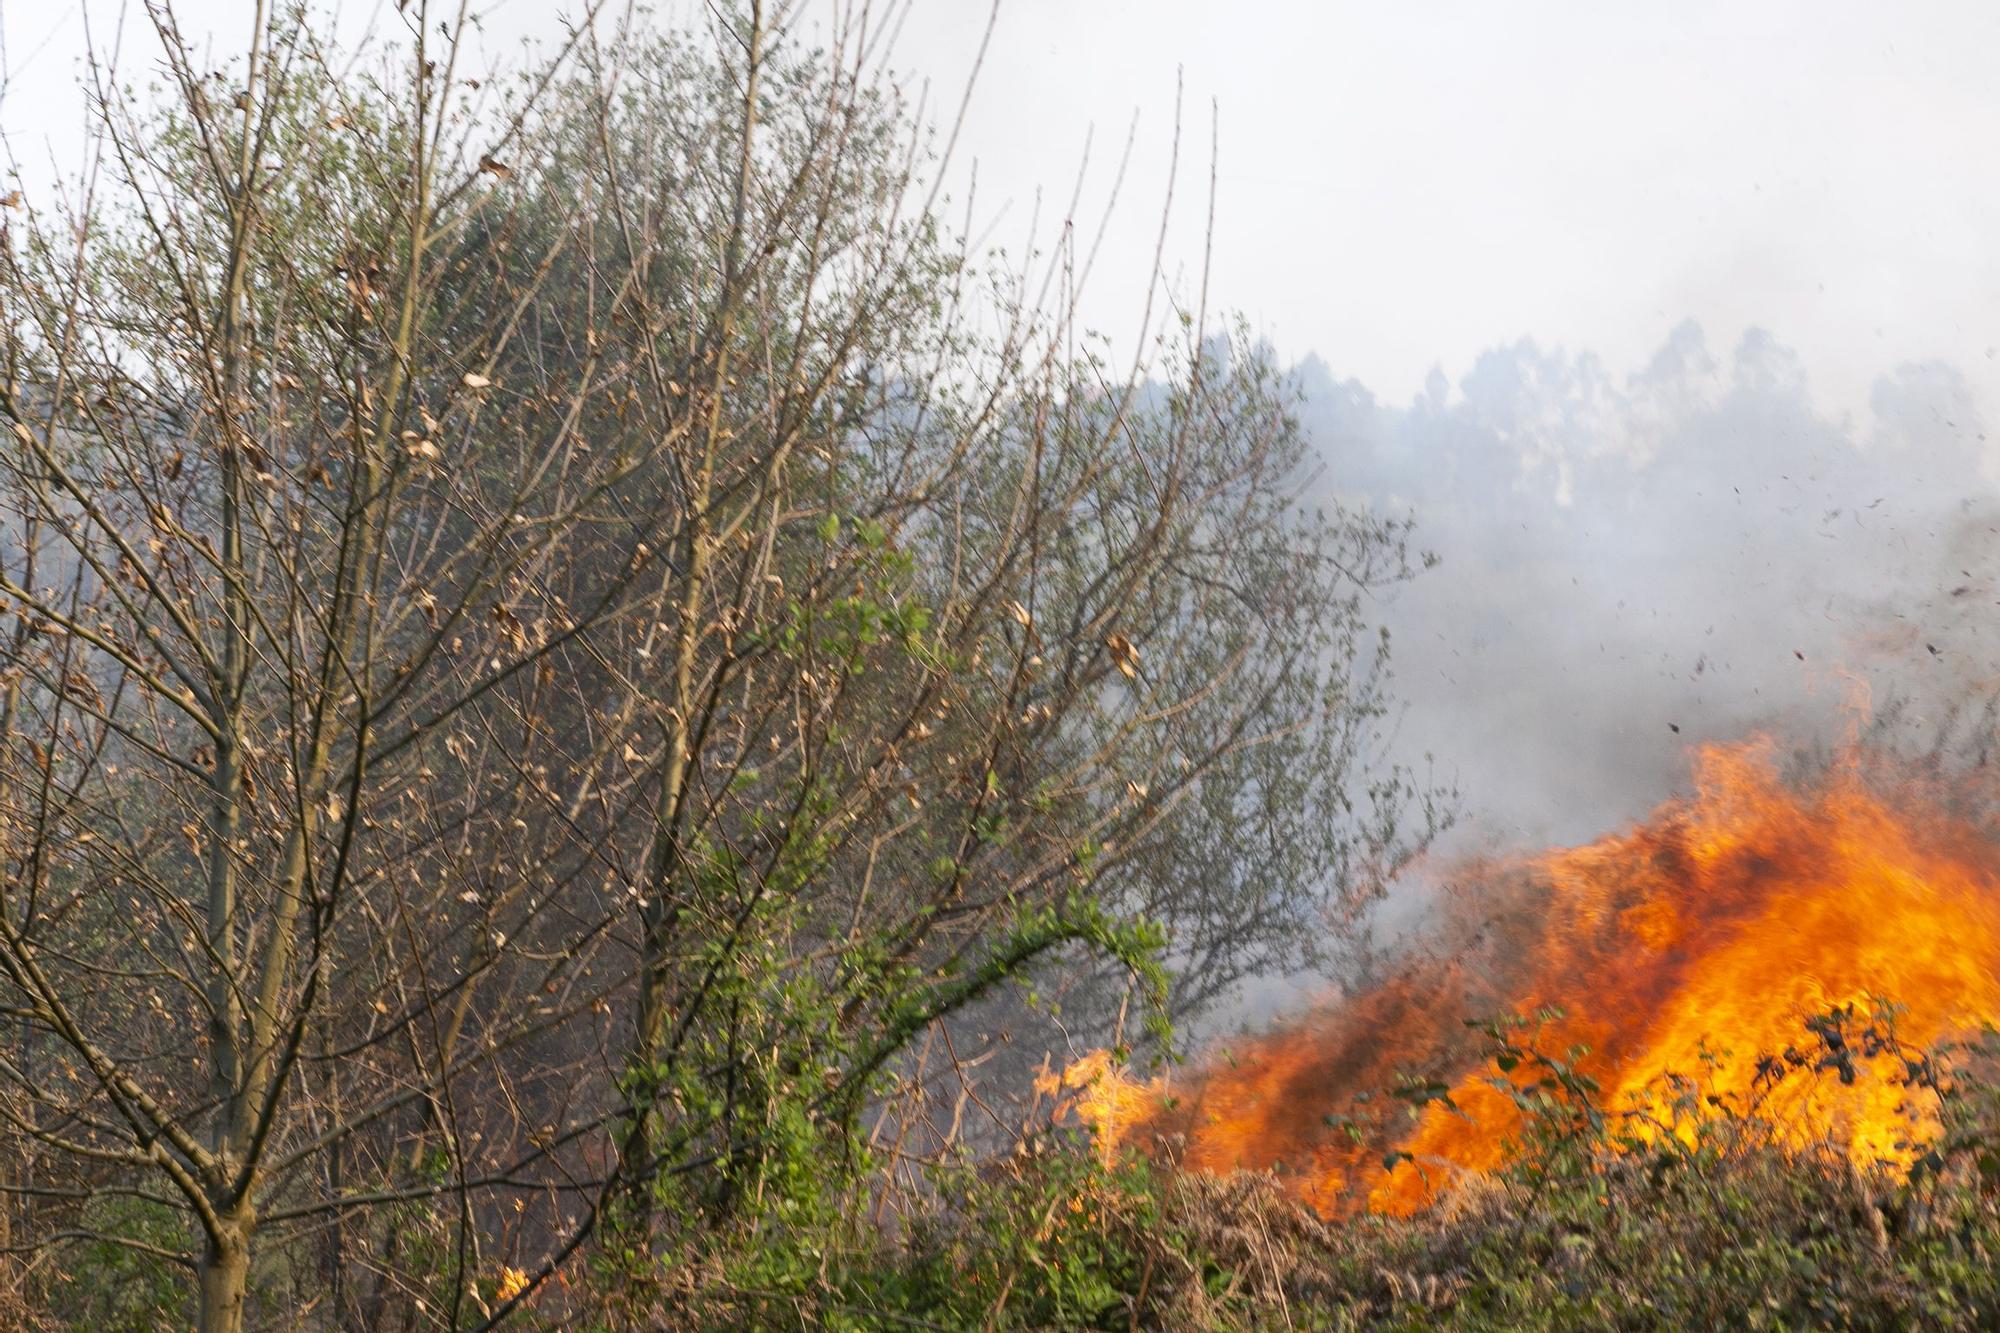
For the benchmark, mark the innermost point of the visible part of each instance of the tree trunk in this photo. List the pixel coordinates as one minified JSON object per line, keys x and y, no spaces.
{"x":225,"y":1276}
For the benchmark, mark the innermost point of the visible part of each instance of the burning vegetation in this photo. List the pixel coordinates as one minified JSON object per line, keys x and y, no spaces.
{"x":1797,"y":955}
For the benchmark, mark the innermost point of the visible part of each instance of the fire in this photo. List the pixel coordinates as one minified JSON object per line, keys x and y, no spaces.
{"x":1698,"y":944}
{"x":1100,"y":1094}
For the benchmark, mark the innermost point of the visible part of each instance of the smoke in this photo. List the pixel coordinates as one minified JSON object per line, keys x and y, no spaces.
{"x":1630,"y":565}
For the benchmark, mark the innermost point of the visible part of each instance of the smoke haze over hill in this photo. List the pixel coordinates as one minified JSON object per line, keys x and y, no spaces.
{"x":1633,"y":563}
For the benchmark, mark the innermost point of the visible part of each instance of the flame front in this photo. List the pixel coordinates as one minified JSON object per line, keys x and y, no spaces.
{"x":1692,"y":945}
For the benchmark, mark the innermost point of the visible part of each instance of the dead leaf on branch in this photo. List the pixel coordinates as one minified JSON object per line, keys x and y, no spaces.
{"x":1123,"y":655}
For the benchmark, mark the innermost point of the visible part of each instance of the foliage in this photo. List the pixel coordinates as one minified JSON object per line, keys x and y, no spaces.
{"x":1599,"y":1223}
{"x":558,"y":627}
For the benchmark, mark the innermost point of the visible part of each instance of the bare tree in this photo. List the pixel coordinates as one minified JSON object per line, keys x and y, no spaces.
{"x":554,"y":632}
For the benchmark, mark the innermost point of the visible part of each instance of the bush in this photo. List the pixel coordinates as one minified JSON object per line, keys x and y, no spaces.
{"x":1707,"y":1218}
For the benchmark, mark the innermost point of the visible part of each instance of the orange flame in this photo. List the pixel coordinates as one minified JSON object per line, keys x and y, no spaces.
{"x":1097,"y":1091}
{"x":1692,"y":945}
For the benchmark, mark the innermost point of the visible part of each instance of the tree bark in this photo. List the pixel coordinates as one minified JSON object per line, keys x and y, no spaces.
{"x":225,"y":1274}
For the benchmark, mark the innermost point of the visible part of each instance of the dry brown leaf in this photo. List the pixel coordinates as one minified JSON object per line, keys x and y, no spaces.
{"x":1123,"y":655}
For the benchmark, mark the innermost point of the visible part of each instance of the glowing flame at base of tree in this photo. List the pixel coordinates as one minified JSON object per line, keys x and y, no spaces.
{"x":1683,"y":969}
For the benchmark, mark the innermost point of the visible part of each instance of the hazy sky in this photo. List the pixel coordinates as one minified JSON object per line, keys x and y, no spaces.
{"x":1405,"y":184}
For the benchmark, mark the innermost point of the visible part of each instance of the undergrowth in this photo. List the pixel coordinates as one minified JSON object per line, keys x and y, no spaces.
{"x":1708,"y":1218}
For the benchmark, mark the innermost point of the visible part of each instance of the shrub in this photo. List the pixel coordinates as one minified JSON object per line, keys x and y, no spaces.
{"x":1707,"y":1216}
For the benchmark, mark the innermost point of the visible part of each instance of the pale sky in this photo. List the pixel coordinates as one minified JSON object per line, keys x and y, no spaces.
{"x":1405,"y":184}
{"x":1408,"y":183}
